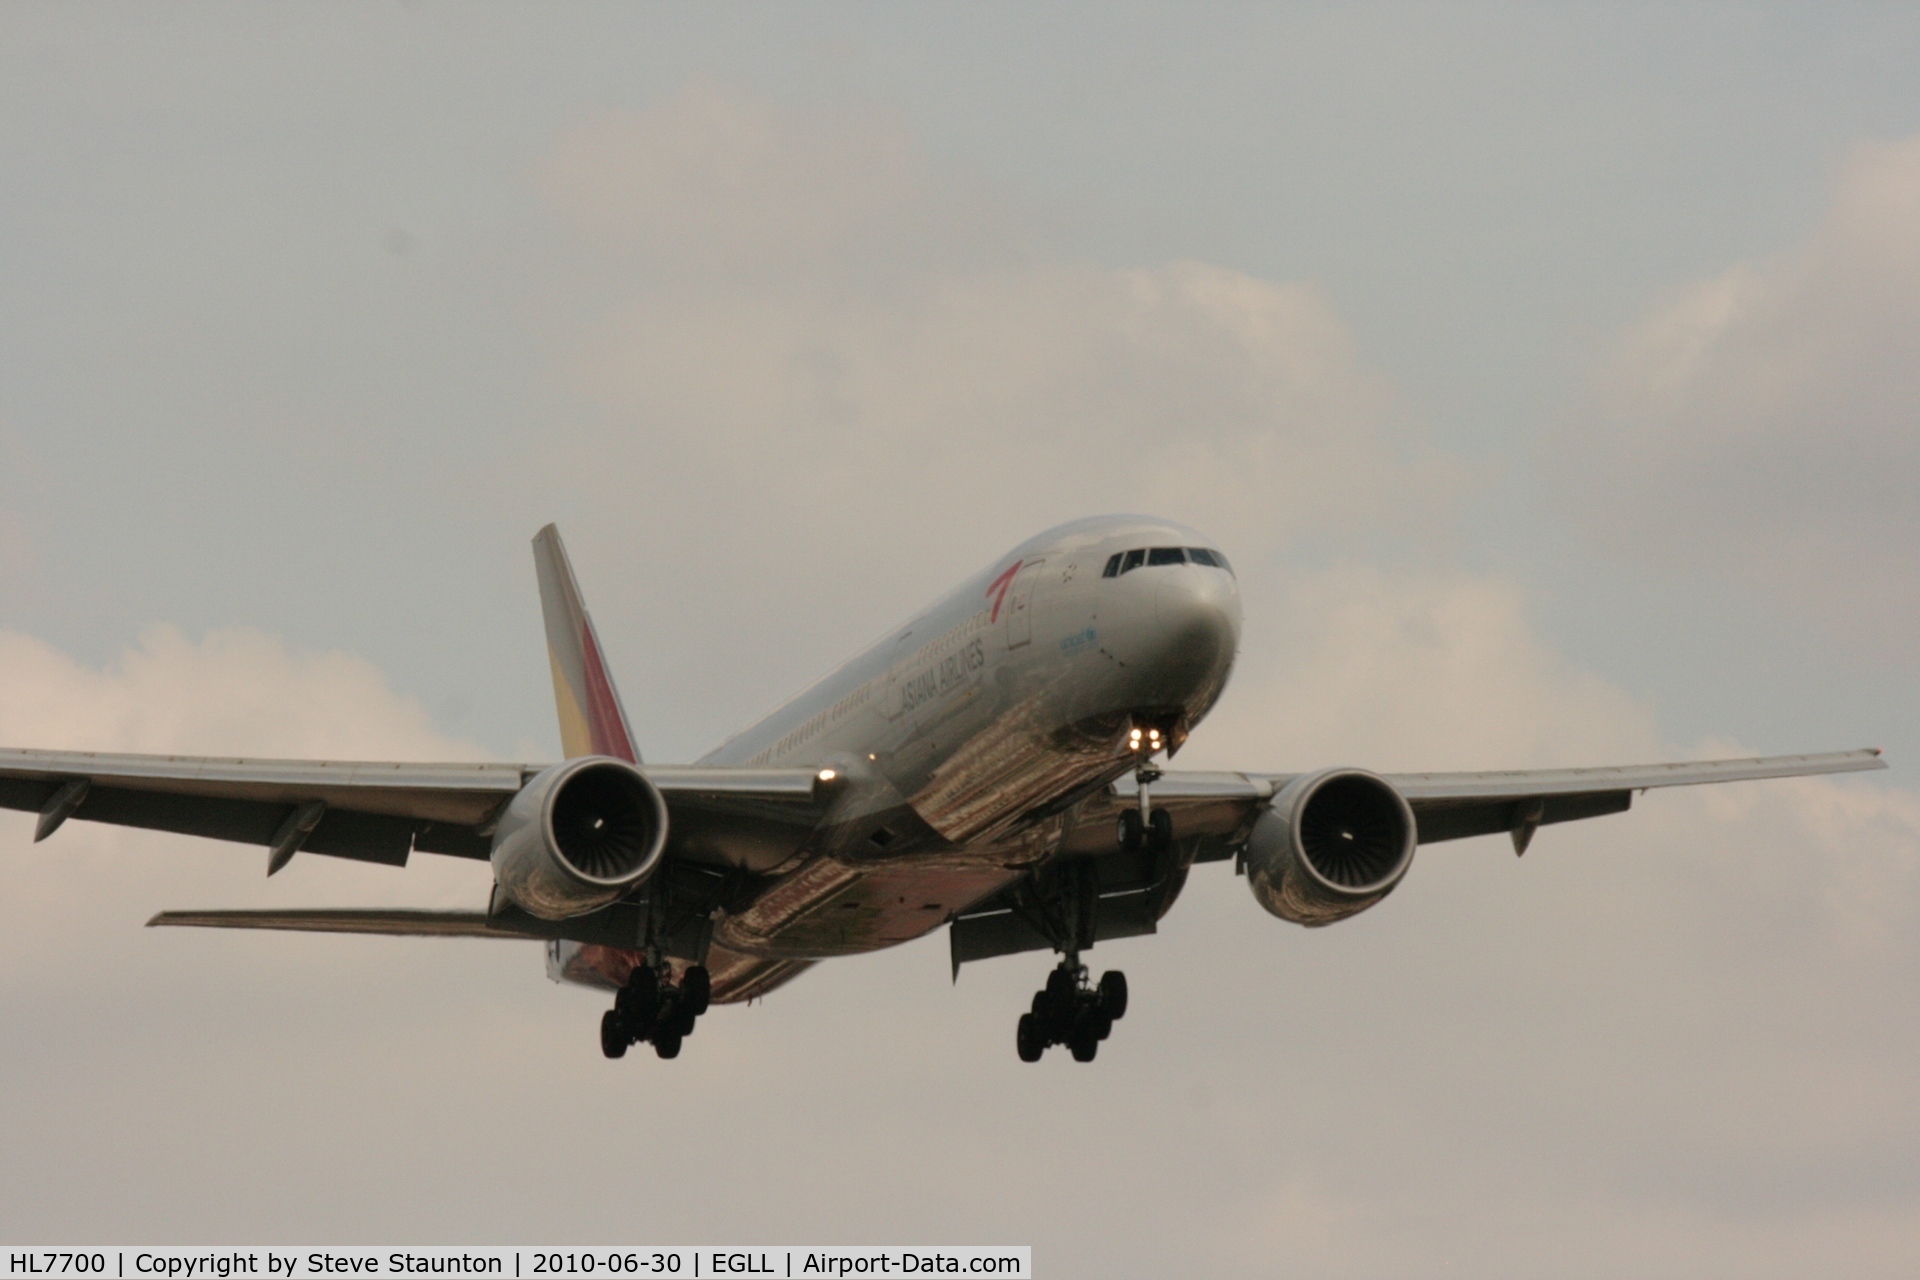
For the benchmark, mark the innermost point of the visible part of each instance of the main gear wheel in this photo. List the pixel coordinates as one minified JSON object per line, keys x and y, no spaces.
{"x":650,"y":1008}
{"x":1071,"y":1011}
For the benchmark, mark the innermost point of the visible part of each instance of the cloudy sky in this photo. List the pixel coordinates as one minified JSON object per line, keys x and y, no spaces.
{"x":1550,"y":375}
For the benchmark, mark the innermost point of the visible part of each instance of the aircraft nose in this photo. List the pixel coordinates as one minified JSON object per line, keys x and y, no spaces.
{"x":1198,"y":611}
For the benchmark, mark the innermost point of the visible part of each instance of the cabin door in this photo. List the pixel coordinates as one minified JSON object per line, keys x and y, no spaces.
{"x":1019,"y":608}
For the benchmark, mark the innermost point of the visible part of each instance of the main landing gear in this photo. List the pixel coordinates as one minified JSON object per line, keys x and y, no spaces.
{"x":1064,"y":903}
{"x":1069,"y":1011}
{"x":649,"y":1009}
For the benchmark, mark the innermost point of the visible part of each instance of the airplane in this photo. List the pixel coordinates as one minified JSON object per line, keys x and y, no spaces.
{"x":992,"y":766}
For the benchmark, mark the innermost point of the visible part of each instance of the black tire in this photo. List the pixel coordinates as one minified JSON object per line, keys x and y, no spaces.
{"x":1060,"y":985}
{"x":696,"y":989}
{"x":1160,"y":835}
{"x":1128,"y":833}
{"x":1065,"y":1018}
{"x":1028,"y":1039}
{"x":1113,"y":994}
{"x":1049,"y":1016}
{"x":1084,"y":1047}
{"x":667,"y":1044}
{"x":1100,"y":1024}
{"x":639,"y":1000}
{"x":641,"y":1021}
{"x":613,"y":1034}
{"x":683,"y":1024}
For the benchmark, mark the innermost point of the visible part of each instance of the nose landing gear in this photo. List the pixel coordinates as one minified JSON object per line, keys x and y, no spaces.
{"x":1145,"y":827}
{"x":649,"y":1009}
{"x":1070,"y":1011}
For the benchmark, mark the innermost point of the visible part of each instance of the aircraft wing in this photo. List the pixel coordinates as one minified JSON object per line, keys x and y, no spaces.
{"x":369,"y":811}
{"x":1450,"y":806}
{"x":1214,"y":813}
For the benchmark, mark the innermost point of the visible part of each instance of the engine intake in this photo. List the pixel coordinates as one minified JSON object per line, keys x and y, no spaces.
{"x":1329,"y":846}
{"x":579,"y":836}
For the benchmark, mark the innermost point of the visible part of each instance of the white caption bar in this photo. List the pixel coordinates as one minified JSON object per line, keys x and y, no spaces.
{"x":518,"y":1262}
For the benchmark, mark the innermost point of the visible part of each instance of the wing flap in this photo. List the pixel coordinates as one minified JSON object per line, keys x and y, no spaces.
{"x":1442,"y":820}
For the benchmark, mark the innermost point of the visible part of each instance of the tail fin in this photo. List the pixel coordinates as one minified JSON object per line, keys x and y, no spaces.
{"x":592,"y":722}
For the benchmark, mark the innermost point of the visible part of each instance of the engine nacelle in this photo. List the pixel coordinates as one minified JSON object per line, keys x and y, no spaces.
{"x":578,"y":837}
{"x":1329,"y":846}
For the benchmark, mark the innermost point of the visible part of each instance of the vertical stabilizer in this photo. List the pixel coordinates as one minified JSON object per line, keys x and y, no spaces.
{"x":592,"y":722}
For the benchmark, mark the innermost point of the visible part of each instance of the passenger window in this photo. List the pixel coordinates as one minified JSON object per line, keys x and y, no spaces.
{"x":1200,"y":555}
{"x":1166,"y":555}
{"x":1134,"y":560}
{"x":1113,"y":565}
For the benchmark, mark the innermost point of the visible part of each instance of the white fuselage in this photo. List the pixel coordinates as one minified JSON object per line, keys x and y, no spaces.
{"x":963,"y":736}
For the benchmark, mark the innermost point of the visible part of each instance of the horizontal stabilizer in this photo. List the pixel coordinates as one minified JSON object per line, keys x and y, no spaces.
{"x":395,"y":923}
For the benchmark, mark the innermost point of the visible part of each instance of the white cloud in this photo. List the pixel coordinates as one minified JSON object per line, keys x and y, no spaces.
{"x":232,"y":692}
{"x":1763,"y":423}
{"x":1435,"y":669}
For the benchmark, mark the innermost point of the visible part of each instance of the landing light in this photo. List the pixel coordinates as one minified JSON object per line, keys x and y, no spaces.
{"x":828,"y":775}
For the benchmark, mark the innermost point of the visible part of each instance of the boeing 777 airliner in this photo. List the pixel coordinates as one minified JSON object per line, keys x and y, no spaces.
{"x":990,"y":767}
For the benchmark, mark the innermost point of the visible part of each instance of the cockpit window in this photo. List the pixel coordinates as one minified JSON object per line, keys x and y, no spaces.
{"x":1127,"y":561}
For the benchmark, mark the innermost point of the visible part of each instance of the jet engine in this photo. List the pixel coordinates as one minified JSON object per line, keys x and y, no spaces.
{"x":1329,"y":846}
{"x":579,"y":836}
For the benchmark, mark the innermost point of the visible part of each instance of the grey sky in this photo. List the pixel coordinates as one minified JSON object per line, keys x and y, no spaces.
{"x":789,"y":316}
